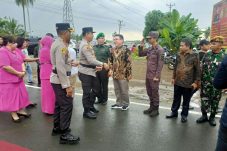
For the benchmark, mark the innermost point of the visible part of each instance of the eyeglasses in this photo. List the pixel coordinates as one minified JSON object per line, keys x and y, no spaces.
{"x":116,"y":39}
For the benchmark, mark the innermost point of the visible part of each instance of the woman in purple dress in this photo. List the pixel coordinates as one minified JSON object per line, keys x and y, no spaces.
{"x":13,"y":94}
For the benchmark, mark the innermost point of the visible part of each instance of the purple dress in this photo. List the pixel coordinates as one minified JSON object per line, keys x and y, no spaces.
{"x":47,"y":93}
{"x":13,"y":93}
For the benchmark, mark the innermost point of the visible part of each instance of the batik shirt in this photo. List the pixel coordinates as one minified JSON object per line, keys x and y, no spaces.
{"x":120,"y":63}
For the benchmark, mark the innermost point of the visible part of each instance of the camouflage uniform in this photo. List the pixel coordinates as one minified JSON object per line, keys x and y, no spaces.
{"x":210,"y":96}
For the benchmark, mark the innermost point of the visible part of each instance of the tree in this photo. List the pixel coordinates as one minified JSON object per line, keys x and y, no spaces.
{"x":76,"y":37}
{"x":175,"y":27}
{"x":11,"y":27}
{"x":207,"y":33}
{"x":24,"y":3}
{"x":152,"y":20}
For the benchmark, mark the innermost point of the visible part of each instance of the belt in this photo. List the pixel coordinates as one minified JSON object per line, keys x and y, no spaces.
{"x":68,"y":73}
{"x":88,"y":66}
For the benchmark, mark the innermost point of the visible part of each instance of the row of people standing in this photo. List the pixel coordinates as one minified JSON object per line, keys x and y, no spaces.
{"x":15,"y":48}
{"x":14,"y":96}
{"x":196,"y":71}
{"x":192,"y":71}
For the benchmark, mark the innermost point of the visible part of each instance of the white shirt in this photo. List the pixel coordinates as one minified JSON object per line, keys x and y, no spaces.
{"x":72,"y":54}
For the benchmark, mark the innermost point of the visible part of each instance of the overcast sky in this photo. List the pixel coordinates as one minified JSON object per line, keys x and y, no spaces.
{"x":103,"y":15}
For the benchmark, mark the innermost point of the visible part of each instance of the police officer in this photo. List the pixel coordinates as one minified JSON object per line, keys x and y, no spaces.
{"x":87,"y":73}
{"x":155,"y":57}
{"x":60,"y":82}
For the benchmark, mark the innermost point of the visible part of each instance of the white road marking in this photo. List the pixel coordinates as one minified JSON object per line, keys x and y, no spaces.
{"x":135,"y":103}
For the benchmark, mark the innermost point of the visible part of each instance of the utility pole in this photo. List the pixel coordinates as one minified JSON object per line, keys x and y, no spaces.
{"x":29,"y":23}
{"x":67,"y":12}
{"x":170,"y":5}
{"x":120,"y":26}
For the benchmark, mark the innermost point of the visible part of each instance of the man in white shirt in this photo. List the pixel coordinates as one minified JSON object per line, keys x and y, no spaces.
{"x":74,"y":70}
{"x":27,"y":65}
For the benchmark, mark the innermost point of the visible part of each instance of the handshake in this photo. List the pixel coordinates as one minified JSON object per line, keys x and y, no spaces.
{"x":105,"y":66}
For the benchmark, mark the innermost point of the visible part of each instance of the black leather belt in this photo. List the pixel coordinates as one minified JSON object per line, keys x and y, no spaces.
{"x":88,"y":66}
{"x":68,"y":73}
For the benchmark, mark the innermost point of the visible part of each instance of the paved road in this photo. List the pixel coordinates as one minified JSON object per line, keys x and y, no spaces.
{"x":113,"y":130}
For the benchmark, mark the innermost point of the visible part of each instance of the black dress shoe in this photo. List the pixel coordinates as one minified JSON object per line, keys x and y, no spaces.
{"x":24,"y":115}
{"x":94,"y":110}
{"x":202,"y":119}
{"x":172,"y":115}
{"x":98,"y":102}
{"x":183,"y":119}
{"x":104,"y":103}
{"x":57,"y":131}
{"x":212,"y":122}
{"x":31,"y":105}
{"x":30,"y":82}
{"x":90,"y":115}
{"x":68,"y":138}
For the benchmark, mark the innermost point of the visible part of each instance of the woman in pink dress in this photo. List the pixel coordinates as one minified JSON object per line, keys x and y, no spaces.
{"x":13,"y":94}
{"x":47,"y":93}
{"x":21,"y":45}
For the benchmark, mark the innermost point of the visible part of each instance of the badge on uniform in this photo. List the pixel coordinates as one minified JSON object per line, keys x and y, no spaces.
{"x":64,"y":50}
{"x":89,"y":47}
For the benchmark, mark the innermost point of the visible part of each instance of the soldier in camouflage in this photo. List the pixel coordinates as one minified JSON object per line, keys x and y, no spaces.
{"x":211,"y":96}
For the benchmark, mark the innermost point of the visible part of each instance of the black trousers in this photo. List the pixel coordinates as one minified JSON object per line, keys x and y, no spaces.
{"x":63,"y":108}
{"x":103,"y":80}
{"x":186,"y":93}
{"x":38,"y":74}
{"x":90,"y":91}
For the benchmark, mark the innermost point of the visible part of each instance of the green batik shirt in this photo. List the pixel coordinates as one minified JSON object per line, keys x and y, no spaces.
{"x":102,"y":53}
{"x":210,"y":64}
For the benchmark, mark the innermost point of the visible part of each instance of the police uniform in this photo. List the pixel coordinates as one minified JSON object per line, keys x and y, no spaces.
{"x":60,"y":81}
{"x":155,"y":61}
{"x":87,"y":74}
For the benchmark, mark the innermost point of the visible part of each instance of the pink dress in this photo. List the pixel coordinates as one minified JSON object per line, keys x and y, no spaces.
{"x":13,"y":93}
{"x":47,"y":93}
